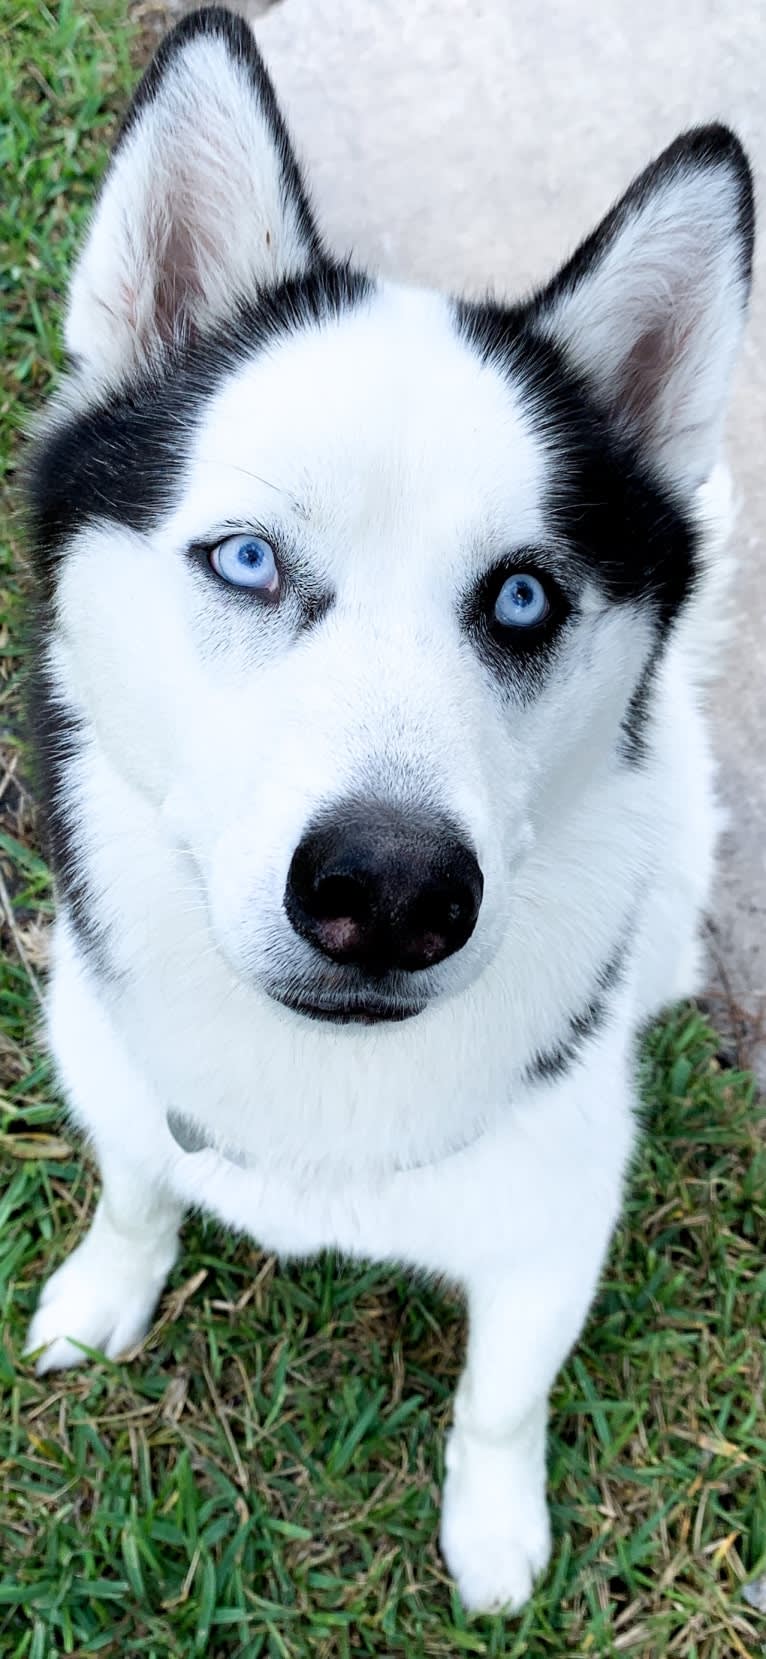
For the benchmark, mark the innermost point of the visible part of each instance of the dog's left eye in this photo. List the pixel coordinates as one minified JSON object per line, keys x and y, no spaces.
{"x":247,"y":561}
{"x":522,"y":602}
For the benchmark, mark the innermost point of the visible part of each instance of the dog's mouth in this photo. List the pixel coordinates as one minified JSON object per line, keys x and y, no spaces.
{"x":372,"y":1011}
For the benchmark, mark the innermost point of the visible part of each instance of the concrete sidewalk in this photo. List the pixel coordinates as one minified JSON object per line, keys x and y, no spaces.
{"x":471,"y":143}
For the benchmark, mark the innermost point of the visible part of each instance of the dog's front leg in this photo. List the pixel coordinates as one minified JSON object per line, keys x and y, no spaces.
{"x":495,"y":1531}
{"x":105,"y":1293}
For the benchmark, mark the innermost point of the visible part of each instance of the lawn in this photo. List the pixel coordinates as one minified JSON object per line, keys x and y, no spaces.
{"x":262,"y":1478}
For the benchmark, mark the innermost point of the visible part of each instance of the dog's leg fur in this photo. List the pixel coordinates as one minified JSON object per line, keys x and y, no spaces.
{"x":104,"y":1295}
{"x":495,"y":1530}
{"x":106,"y":1291}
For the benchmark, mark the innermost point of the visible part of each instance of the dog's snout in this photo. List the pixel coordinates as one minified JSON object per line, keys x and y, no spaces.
{"x":381,"y":889}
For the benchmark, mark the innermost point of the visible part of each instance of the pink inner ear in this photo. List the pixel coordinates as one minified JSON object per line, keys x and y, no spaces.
{"x":642,"y":373}
{"x":178,"y":258}
{"x":648,"y":369}
{"x":127,"y":305}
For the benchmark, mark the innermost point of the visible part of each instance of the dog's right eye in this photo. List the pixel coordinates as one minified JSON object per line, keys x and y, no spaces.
{"x":247,"y":561}
{"x":522,"y":602}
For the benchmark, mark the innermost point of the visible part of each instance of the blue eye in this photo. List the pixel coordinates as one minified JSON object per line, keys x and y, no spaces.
{"x":247,"y":561}
{"x":522,"y":602}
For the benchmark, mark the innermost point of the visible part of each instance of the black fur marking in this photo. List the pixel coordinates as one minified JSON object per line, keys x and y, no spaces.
{"x":549,"y":1065}
{"x":622,"y":522}
{"x":621,"y":525}
{"x":215,"y":23}
{"x":56,"y":741}
{"x":637,"y":718}
{"x":120,"y":459}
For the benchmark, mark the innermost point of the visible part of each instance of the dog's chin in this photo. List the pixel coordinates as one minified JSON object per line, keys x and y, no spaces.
{"x":373,"y":1011}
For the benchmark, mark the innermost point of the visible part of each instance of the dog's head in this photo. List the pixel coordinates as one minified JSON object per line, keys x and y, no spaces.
{"x":358,"y":586}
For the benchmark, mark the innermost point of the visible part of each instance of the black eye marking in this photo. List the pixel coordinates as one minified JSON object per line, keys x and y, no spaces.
{"x":515,"y":611}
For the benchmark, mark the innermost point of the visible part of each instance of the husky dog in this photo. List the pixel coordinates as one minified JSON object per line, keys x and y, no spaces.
{"x":372,"y":631}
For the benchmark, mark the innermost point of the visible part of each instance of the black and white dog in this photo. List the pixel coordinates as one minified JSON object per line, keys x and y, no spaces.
{"x":381,"y":803}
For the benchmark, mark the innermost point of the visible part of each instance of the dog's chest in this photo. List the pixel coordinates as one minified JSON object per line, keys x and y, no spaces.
{"x":268,"y":1088}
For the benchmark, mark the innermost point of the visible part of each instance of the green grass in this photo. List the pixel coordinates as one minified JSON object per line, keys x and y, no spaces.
{"x":263,"y":1477}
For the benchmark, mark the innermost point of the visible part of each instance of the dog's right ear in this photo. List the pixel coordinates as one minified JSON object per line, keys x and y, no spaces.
{"x":203,"y":204}
{"x":650,"y":309}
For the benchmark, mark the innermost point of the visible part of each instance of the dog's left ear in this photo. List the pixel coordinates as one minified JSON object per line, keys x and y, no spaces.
{"x":202,"y":205}
{"x":650,"y":308}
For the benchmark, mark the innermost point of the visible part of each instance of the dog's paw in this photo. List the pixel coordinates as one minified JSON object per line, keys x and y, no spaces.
{"x":98,"y":1301}
{"x":495,"y":1531}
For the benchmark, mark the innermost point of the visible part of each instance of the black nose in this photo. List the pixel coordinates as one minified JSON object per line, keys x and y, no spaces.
{"x":379,"y":888}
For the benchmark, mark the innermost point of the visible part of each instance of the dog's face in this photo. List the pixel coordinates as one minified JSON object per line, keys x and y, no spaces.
{"x":360,"y":586}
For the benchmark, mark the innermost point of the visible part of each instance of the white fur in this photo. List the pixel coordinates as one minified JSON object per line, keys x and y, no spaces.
{"x":402,"y":467}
